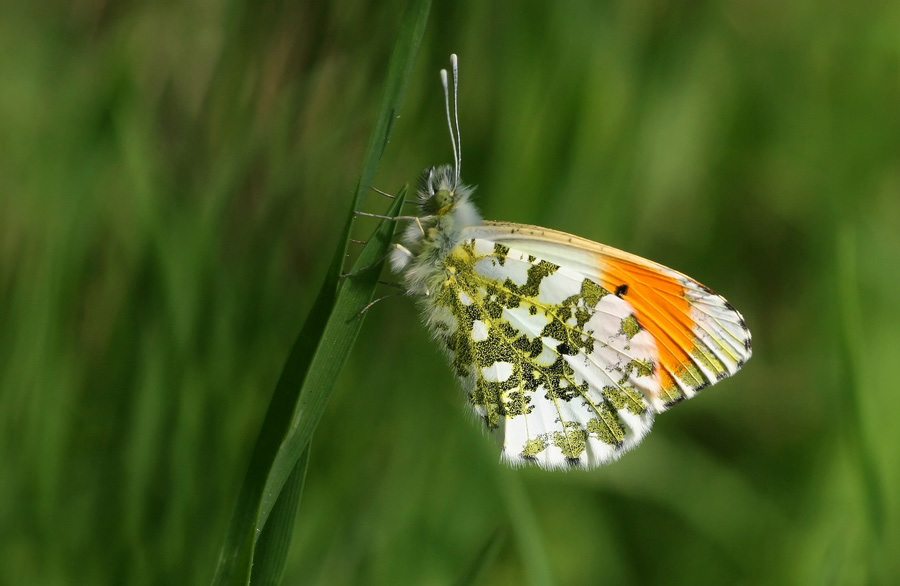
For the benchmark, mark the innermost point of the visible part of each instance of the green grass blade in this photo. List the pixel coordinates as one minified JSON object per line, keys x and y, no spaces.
{"x":298,"y":403}
{"x":275,"y":539}
{"x":328,"y":360}
{"x":322,"y":347}
{"x":237,"y":553}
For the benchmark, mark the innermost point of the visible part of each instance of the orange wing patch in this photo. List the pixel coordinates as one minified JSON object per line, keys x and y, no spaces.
{"x":661,"y":307}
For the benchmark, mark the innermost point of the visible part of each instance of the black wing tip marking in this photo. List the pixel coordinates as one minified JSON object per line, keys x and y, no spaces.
{"x":741,"y":322}
{"x":673,"y":402}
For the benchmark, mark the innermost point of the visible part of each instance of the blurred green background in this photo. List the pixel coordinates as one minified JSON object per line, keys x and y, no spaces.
{"x":173,"y":181}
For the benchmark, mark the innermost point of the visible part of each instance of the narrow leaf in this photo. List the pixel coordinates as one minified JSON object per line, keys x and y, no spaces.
{"x":322,"y":347}
{"x":275,"y":539}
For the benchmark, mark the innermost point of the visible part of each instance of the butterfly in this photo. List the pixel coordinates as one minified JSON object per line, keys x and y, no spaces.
{"x":566,"y":348}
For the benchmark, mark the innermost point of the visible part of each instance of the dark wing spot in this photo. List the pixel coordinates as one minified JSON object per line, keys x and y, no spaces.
{"x":622,"y":290}
{"x":563,"y":348}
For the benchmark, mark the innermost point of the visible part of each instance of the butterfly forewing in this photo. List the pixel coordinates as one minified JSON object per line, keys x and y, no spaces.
{"x":699,"y":336}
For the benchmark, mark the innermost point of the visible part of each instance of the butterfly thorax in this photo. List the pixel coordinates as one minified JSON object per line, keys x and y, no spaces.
{"x":445,"y":210}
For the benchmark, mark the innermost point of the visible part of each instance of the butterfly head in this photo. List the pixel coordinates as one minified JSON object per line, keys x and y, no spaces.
{"x":440,"y":191}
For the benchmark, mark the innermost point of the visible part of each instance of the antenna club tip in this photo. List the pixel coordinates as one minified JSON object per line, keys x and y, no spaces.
{"x":444,"y":74}
{"x":453,"y":58}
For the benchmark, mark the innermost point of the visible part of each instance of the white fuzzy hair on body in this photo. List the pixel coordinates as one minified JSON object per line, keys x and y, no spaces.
{"x":428,"y":242}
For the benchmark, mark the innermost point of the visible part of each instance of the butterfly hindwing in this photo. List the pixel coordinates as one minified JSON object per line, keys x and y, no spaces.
{"x":555,"y":364}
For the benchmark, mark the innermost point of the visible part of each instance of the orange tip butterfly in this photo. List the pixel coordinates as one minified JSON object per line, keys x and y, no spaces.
{"x":566,"y":348}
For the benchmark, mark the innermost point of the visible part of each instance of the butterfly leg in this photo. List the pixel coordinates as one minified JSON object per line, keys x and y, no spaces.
{"x":395,"y":218}
{"x":376,"y":300}
{"x":390,"y":284}
{"x":388,"y":195}
{"x":384,"y":193}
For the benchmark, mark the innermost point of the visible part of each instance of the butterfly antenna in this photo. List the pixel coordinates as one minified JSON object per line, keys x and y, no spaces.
{"x":450,"y":126}
{"x":454,"y":62}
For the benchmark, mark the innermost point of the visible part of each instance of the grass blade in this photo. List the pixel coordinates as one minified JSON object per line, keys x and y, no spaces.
{"x":298,"y":403}
{"x":321,"y":349}
{"x":275,"y":539}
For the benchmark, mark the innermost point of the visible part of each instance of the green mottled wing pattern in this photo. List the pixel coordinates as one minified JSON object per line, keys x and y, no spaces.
{"x":557,"y":366}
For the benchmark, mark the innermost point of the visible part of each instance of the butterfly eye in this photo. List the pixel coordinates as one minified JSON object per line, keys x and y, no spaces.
{"x":443,"y":200}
